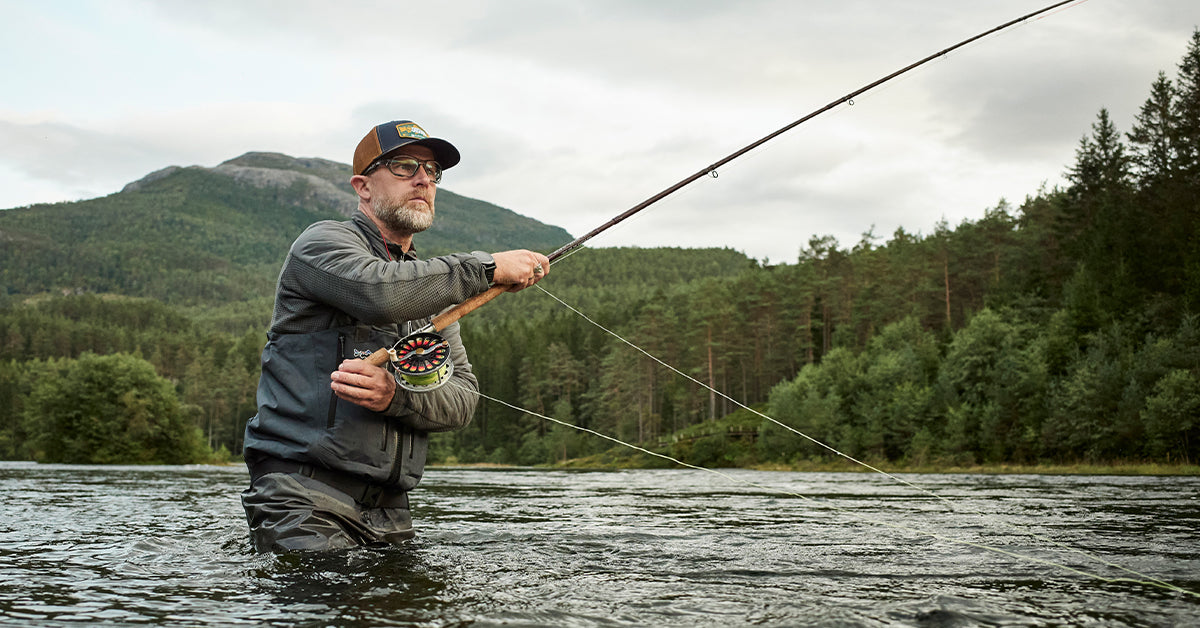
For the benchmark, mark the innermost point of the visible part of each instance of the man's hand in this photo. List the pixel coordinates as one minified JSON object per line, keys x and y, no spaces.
{"x":364,"y":384}
{"x":519,"y":269}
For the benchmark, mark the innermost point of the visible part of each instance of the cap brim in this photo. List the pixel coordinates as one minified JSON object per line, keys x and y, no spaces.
{"x":444,"y":152}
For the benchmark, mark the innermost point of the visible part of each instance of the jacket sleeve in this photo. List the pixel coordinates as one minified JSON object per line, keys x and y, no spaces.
{"x":446,"y":408}
{"x":330,"y":263}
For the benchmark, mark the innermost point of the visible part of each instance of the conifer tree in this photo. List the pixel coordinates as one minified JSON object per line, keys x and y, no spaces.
{"x":1154,"y":136}
{"x":1187,"y":112}
{"x":1155,"y":163}
{"x":1099,"y":217}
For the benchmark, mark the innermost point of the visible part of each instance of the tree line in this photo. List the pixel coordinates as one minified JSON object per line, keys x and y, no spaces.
{"x":123,"y":369}
{"x":1060,"y":330}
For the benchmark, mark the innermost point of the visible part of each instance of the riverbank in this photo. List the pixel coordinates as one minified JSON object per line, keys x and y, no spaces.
{"x":608,"y":462}
{"x":1120,"y":468}
{"x":598,"y":463}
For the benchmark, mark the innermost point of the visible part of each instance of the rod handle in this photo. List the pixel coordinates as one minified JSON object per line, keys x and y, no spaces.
{"x":451,"y":316}
{"x":444,"y":320}
{"x":380,"y":357}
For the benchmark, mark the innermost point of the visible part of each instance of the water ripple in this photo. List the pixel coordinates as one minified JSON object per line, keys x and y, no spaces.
{"x":166,"y":546}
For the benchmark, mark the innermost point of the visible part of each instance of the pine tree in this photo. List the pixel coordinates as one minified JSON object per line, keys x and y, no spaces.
{"x":1155,"y":164}
{"x":1187,"y":229}
{"x":1154,"y":136}
{"x":1187,"y":113}
{"x":1099,"y":217}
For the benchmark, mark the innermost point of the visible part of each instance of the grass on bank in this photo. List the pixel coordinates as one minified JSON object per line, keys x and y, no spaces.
{"x":621,"y":458}
{"x":616,"y":459}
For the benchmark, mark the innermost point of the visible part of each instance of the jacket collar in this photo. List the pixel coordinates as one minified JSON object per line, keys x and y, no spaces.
{"x":379,"y":246}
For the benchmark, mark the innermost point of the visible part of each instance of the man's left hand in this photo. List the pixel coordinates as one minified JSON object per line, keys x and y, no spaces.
{"x":364,"y":384}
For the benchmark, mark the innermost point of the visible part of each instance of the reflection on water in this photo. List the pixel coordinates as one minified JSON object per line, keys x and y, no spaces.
{"x":167,"y":546}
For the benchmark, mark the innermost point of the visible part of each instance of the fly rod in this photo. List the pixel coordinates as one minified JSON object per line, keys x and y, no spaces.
{"x":430,"y":370}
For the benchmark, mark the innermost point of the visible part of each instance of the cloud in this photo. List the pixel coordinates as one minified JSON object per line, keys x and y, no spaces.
{"x":73,"y":158}
{"x":571,"y":111}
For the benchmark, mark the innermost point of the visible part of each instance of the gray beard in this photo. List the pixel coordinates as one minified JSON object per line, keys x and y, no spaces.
{"x":400,"y":218}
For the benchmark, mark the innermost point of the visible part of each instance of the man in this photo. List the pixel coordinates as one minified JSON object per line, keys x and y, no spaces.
{"x":336,"y":445}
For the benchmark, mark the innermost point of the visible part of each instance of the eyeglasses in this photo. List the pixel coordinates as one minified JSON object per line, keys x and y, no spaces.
{"x":405,"y":167}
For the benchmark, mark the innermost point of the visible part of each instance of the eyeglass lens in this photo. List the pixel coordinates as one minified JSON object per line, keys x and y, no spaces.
{"x":407,"y":166}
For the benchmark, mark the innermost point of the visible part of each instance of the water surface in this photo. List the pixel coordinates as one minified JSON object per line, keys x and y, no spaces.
{"x":167,"y":546}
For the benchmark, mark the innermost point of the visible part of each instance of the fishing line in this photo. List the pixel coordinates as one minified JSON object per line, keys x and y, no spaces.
{"x":1147,"y":581}
{"x":712,"y":170}
{"x":456,"y":313}
{"x":1141,"y":577}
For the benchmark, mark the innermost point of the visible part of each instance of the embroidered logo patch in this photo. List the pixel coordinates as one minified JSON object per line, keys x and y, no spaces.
{"x":408,"y":129}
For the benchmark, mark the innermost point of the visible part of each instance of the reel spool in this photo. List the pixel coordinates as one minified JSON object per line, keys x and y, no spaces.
{"x":422,"y":362}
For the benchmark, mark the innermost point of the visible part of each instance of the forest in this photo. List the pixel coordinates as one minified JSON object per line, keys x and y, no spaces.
{"x":1061,"y":330}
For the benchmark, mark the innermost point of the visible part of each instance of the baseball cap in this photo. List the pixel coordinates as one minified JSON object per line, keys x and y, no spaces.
{"x":391,"y":136}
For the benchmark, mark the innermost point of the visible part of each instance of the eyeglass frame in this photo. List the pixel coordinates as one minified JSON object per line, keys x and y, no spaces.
{"x":423,"y":164}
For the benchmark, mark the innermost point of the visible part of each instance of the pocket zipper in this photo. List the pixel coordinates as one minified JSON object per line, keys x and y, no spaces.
{"x":333,"y":399}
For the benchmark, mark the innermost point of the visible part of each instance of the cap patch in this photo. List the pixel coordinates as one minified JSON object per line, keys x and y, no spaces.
{"x":408,"y":129}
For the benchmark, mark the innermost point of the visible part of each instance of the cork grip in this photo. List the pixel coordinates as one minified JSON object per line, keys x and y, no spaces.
{"x":380,"y":357}
{"x":445,"y":319}
{"x":451,"y":316}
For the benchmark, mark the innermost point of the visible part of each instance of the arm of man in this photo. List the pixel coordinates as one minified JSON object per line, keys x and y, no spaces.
{"x":331,"y":264}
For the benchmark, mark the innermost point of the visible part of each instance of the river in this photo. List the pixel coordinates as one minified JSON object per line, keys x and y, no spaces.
{"x":167,"y":546}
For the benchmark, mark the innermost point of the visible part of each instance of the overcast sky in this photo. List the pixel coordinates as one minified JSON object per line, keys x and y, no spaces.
{"x":572,"y":111}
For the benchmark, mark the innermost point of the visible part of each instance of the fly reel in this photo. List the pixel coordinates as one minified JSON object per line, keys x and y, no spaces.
{"x":422,"y":362}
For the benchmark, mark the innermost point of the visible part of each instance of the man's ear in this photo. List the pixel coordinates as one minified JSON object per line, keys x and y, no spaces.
{"x":361,"y":186}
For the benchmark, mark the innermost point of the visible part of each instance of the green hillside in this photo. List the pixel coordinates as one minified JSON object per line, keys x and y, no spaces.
{"x":208,"y":236}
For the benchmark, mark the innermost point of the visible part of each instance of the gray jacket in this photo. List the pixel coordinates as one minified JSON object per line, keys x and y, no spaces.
{"x":343,"y":293}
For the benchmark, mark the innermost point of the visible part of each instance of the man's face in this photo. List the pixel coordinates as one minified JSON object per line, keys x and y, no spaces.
{"x":404,"y":204}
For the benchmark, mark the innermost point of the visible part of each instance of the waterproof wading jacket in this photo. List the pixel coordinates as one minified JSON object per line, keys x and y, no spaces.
{"x":341,"y":296}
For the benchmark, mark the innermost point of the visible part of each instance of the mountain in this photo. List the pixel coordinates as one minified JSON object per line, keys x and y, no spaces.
{"x":194,"y":235}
